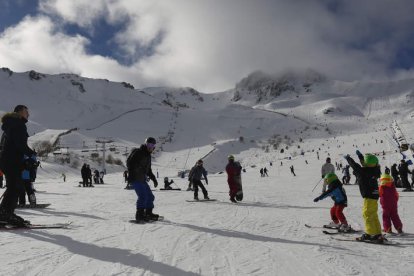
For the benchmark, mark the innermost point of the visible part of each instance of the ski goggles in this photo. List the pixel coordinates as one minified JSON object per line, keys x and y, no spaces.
{"x":150,"y":146}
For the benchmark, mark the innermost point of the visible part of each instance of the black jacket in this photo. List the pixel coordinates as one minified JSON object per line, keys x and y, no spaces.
{"x":367,"y":179}
{"x":14,"y":141}
{"x":139,"y":165}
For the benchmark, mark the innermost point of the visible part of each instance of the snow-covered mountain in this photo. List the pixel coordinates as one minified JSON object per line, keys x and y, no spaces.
{"x":262,"y":110}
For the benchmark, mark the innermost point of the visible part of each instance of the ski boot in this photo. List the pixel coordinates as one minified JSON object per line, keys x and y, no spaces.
{"x":140,"y":216}
{"x":332,"y":225}
{"x":232,"y":199}
{"x":345,"y":228}
{"x":151,"y":216}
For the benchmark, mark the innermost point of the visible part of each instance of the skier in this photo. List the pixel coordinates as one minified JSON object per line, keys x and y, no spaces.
{"x":167,"y":184}
{"x":195,"y":177}
{"x":337,"y":192}
{"x":326,"y":168}
{"x":367,"y":176}
{"x":261,"y":172}
{"x":389,"y":202}
{"x":27,"y":180}
{"x":96,"y":177}
{"x":84,"y":174}
{"x":139,"y":167}
{"x":265,"y":172}
{"x":13,"y":145}
{"x":292,"y":170}
{"x":233,"y":170}
{"x":394,"y":174}
{"x":404,"y":171}
{"x":347,"y":176}
{"x":101,"y":176}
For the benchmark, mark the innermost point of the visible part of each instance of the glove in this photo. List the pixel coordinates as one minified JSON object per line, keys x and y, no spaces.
{"x":359,"y":153}
{"x":316,"y":199}
{"x":155,"y":183}
{"x":347,"y":156}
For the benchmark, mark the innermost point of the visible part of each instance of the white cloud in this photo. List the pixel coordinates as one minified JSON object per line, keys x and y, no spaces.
{"x":210,"y":45}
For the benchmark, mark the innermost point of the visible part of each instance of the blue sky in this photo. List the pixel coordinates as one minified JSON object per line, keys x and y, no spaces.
{"x":208,"y":45}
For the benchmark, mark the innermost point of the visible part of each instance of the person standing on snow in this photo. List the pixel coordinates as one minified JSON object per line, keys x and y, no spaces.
{"x":394,"y":174}
{"x":367,"y":178}
{"x":404,"y":171}
{"x":13,"y":147}
{"x":337,"y":192}
{"x":139,"y":167}
{"x":195,"y":177}
{"x":389,"y":203}
{"x":233,"y":170}
{"x":326,"y":168}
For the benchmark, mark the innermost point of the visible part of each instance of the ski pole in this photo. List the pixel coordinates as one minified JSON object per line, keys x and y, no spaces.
{"x":316,"y":184}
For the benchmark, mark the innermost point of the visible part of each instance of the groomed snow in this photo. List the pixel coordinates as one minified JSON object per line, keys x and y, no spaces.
{"x":262,"y":235}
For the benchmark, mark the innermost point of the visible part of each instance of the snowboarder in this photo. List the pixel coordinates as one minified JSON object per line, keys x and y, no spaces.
{"x":367,"y":176}
{"x":389,"y":202}
{"x":265,"y":172}
{"x":96,"y":177}
{"x":337,"y":192}
{"x":195,"y":177}
{"x":64,"y":177}
{"x":327,"y":168}
{"x":139,"y":167}
{"x":261,"y":172}
{"x":13,"y":146}
{"x":233,"y":170}
{"x":167,"y":184}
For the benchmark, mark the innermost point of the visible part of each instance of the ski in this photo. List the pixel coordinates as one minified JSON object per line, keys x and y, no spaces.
{"x":36,"y":226}
{"x":201,"y":200}
{"x":386,"y":242}
{"x":36,"y":206}
{"x":324,"y":226}
{"x":352,"y":231}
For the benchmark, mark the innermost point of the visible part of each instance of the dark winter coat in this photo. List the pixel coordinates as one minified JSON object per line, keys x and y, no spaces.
{"x":233,"y":170}
{"x":336,"y":192}
{"x":403,"y":170}
{"x":139,"y":165}
{"x":367,"y":179}
{"x":14,"y":141}
{"x":196,"y":173}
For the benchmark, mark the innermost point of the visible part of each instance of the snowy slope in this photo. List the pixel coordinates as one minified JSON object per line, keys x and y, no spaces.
{"x":263,"y":235}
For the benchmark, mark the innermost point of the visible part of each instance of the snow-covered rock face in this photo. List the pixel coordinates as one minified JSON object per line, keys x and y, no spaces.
{"x":298,"y":105}
{"x":264,"y":87}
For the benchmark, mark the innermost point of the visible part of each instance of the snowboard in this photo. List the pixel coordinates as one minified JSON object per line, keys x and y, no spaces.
{"x":80,"y":186}
{"x":35,"y":226}
{"x":37,"y":206}
{"x":172,"y":189}
{"x":239,"y":194}
{"x":160,"y":218}
{"x":201,"y":200}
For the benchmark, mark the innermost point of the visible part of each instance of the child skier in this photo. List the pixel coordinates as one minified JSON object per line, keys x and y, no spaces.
{"x":389,"y":202}
{"x":337,"y":193}
{"x":367,"y":176}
